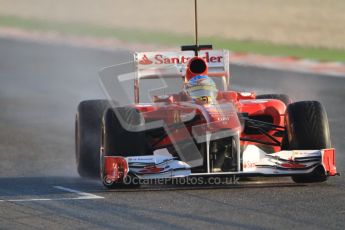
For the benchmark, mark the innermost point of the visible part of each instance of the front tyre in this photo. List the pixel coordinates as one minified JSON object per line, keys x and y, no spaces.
{"x":87,"y":142}
{"x":122,"y":136}
{"x":308,"y":129}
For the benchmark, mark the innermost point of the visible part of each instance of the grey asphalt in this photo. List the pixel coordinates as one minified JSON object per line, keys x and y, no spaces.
{"x":40,"y":87}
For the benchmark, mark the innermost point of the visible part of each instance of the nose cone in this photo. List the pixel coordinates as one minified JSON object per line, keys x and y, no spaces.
{"x":222,"y":116}
{"x":221,"y":121}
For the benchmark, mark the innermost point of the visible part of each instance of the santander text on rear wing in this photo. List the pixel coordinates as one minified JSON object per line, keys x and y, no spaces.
{"x":153,"y":64}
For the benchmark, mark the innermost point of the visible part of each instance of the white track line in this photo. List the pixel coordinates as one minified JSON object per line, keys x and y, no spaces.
{"x":81,"y":196}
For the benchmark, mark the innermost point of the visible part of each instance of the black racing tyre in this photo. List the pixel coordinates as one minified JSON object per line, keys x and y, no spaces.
{"x":307,"y":128}
{"x":318,"y":175}
{"x":122,"y":132}
{"x":282,"y":97}
{"x":122,"y":136}
{"x":87,"y":131}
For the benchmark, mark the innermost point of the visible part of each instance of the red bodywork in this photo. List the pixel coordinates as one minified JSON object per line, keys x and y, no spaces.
{"x":328,"y":161}
{"x":172,"y":109}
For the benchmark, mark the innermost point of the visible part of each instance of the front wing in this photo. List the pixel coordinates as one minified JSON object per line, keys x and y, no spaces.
{"x":255,"y":162}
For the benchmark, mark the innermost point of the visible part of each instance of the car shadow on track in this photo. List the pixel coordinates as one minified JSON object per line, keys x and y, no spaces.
{"x":38,"y":186}
{"x":246,"y":183}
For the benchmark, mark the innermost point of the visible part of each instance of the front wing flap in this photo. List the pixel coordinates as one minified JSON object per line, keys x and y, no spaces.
{"x":288,"y":162}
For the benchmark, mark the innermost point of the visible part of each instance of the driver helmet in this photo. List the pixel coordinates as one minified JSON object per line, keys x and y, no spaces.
{"x":202,"y":88}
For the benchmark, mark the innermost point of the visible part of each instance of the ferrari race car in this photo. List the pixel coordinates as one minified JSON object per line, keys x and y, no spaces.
{"x":171,"y":135}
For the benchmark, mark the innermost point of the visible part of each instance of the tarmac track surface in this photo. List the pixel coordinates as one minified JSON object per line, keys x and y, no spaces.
{"x":40,"y":87}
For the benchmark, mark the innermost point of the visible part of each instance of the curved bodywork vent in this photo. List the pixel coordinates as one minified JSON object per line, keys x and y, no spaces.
{"x":196,"y":66}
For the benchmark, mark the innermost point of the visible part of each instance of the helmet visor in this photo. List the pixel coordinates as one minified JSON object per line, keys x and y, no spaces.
{"x":202,"y":90}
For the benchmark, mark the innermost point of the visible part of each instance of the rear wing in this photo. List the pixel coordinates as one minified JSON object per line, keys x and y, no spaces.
{"x":154,"y":65}
{"x":149,"y":63}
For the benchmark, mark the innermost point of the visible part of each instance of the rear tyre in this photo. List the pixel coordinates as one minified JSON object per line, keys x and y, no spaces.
{"x":282,"y":97}
{"x":87,"y":142}
{"x":307,"y":128}
{"x":121,"y":136}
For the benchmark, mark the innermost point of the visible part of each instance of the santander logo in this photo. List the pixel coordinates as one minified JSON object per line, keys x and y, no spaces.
{"x":160,"y":59}
{"x":145,"y":61}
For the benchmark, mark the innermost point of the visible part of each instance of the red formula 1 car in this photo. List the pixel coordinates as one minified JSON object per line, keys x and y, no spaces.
{"x":239,"y":133}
